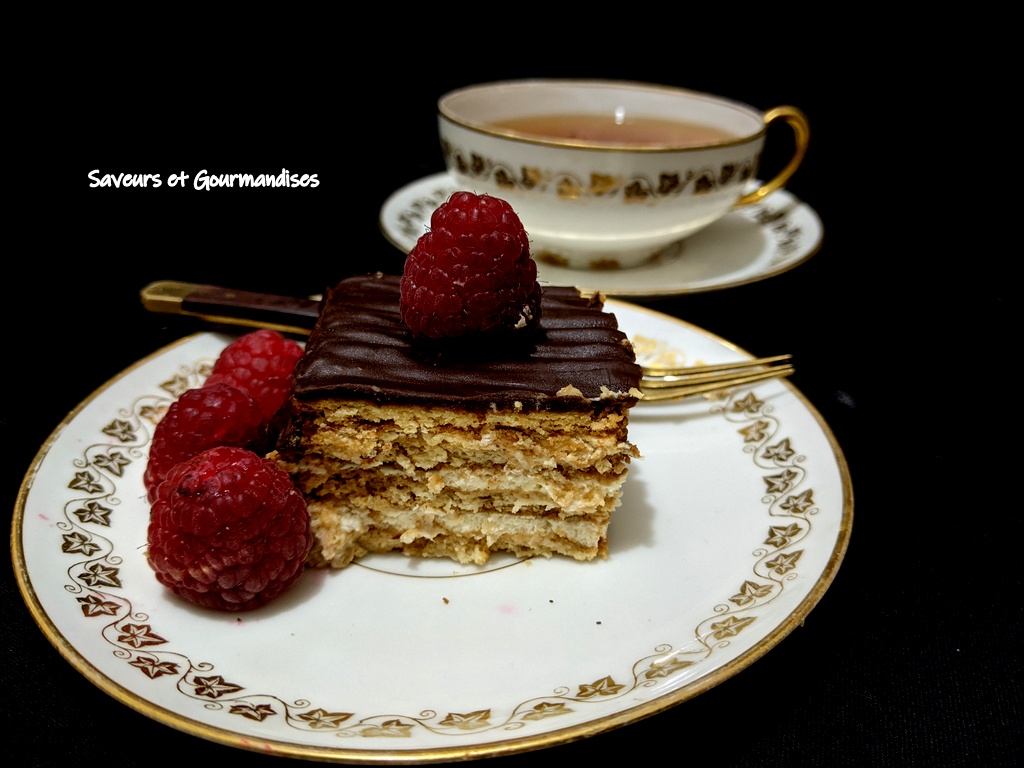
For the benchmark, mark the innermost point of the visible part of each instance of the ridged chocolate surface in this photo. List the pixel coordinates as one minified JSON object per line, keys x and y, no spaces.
{"x":361,"y":348}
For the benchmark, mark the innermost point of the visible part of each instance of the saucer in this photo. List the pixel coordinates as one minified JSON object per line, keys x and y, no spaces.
{"x":744,"y":246}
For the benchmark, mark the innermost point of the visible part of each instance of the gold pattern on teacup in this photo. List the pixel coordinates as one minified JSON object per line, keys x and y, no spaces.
{"x":532,"y":177}
{"x":568,"y":189}
{"x":552,"y":258}
{"x":704,"y":183}
{"x":669,"y":183}
{"x":504,"y":179}
{"x":636,"y":192}
{"x":606,"y":264}
{"x":603,"y":185}
{"x":602,"y":263}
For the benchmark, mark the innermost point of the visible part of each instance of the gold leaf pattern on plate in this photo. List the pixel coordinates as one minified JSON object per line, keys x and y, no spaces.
{"x":321,"y":719}
{"x":606,"y":686}
{"x":153,"y":667}
{"x":468,"y":722}
{"x":214,"y":686}
{"x":93,"y":513}
{"x":139,"y":636}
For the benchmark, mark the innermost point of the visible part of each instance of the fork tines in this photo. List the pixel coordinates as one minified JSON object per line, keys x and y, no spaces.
{"x":672,"y":383}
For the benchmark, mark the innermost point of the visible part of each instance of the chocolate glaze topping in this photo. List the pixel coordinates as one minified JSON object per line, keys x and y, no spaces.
{"x":361,"y":348}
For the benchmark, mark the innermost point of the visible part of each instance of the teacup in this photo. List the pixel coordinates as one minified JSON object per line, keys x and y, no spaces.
{"x":608,"y":174}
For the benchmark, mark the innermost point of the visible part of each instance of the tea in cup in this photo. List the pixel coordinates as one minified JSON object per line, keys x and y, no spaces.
{"x":609,"y":174}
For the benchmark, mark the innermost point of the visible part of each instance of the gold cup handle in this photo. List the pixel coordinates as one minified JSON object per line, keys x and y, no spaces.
{"x":797,"y":120}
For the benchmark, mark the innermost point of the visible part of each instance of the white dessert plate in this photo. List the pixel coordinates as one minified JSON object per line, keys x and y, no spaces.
{"x":732,"y":527}
{"x":747,"y":245}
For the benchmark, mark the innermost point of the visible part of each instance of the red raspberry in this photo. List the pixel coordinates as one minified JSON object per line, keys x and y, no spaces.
{"x":471,"y":273}
{"x":260,"y":363}
{"x":228,"y":530}
{"x":201,"y":418}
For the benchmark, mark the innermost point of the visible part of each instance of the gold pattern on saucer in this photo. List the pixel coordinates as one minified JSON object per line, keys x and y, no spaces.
{"x":787,"y":235}
{"x":413,"y":221}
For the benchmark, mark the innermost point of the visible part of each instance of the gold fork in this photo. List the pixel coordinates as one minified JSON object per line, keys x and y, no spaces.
{"x":676,"y":383}
{"x":296,"y":315}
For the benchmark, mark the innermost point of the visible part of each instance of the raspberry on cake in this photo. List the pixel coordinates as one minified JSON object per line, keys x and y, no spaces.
{"x":471,"y":274}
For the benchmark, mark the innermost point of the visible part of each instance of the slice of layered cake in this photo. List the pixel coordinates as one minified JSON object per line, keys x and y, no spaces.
{"x":508,"y":440}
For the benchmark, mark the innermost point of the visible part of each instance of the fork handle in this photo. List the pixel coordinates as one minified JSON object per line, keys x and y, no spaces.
{"x":232,"y":307}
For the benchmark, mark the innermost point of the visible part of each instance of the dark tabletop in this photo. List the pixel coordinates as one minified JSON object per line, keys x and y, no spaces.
{"x":912,"y":657}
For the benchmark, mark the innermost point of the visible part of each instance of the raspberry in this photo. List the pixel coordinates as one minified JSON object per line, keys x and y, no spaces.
{"x":228,"y":530}
{"x":471,"y":273}
{"x":260,"y":363}
{"x":201,"y":418}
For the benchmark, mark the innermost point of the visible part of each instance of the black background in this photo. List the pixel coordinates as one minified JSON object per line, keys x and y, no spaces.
{"x":911,"y":657}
